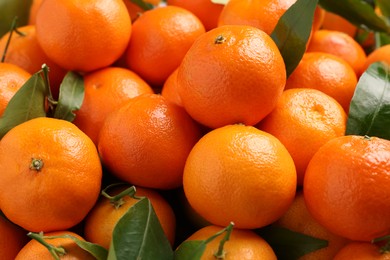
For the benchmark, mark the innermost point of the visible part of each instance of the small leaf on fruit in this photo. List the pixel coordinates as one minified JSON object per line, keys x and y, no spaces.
{"x":290,"y":245}
{"x":190,"y":250}
{"x":71,"y":96}
{"x":369,"y":112}
{"x":293,"y":31}
{"x":99,"y":252}
{"x":27,"y":103}
{"x":144,"y":5}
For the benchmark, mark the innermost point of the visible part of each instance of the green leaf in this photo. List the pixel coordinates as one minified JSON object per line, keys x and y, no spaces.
{"x":27,"y":103}
{"x":190,"y":250}
{"x":71,"y":96}
{"x":139,"y":235}
{"x":357,"y":12}
{"x":290,"y":245}
{"x":142,"y":4}
{"x":11,"y":8}
{"x":384,"y":6}
{"x":369,"y":112}
{"x":99,"y":252}
{"x":293,"y":31}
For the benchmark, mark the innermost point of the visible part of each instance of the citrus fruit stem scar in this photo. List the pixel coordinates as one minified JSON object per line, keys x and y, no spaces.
{"x":219,"y":39}
{"x":36,"y":164}
{"x":56,"y":252}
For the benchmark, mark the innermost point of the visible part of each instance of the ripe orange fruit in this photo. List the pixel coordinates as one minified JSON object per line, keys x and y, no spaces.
{"x":25,"y":52}
{"x":207,"y":11}
{"x":319,"y":16}
{"x":380,"y":54}
{"x":12,"y":78}
{"x":83,"y":36}
{"x":341,"y":45}
{"x":346,"y":187}
{"x":159,"y":41}
{"x":327,"y":73}
{"x":135,"y":11}
{"x":241,"y":174}
{"x":146,"y":142}
{"x":103,"y":217}
{"x":261,"y":14}
{"x":298,"y":219}
{"x":361,"y":251}
{"x":12,"y":239}
{"x":231,"y":74}
{"x":51,"y":175}
{"x":334,"y":22}
{"x":169,"y":89}
{"x":105,"y":91}
{"x":242,"y":244}
{"x":35,"y":250}
{"x":304,"y":120}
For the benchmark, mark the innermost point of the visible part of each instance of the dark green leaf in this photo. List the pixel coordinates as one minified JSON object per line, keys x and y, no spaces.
{"x":369,"y":112}
{"x":290,"y":245}
{"x":27,"y":103}
{"x":99,"y":252}
{"x":382,"y":39}
{"x":11,"y":8}
{"x":292,"y":32}
{"x":139,"y":235}
{"x":142,"y":4}
{"x":357,"y":12}
{"x":384,"y":6}
{"x":71,"y":96}
{"x":190,"y":250}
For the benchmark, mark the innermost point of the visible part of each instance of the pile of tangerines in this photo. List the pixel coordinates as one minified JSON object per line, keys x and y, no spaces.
{"x":190,"y":103}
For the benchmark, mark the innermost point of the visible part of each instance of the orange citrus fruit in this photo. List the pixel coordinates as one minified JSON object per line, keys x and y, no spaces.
{"x":35,"y":250}
{"x":207,"y":11}
{"x":169,"y":89}
{"x":380,"y":54}
{"x":51,"y":175}
{"x":361,"y":251}
{"x":242,"y":244}
{"x":105,"y":91}
{"x":159,"y":41}
{"x":327,"y":73}
{"x":146,"y":142}
{"x":239,"y":174}
{"x":24,"y":51}
{"x":341,"y":45}
{"x":346,"y":187}
{"x":101,"y":220}
{"x":304,"y":120}
{"x":298,"y":219}
{"x":231,"y":74}
{"x":135,"y":10}
{"x":12,"y":78}
{"x":334,"y":22}
{"x":83,"y":36}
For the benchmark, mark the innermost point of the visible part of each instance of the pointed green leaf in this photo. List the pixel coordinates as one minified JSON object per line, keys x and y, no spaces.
{"x":190,"y":250}
{"x":71,"y":96}
{"x":11,"y":8}
{"x":99,"y":252}
{"x":139,"y":235}
{"x":384,"y":6}
{"x":290,"y":245}
{"x":27,"y":103}
{"x":358,"y":12}
{"x":293,"y":31}
{"x":144,"y":5}
{"x":369,"y":112}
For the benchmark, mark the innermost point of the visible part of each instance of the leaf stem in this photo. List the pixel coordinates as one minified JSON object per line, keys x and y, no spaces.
{"x":220,"y":254}
{"x":12,"y":29}
{"x":56,"y":252}
{"x":117,"y":200}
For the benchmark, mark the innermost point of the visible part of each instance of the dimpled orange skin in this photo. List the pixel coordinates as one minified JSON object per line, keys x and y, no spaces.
{"x":35,"y":250}
{"x":12,"y":78}
{"x":83,"y":35}
{"x":231,"y":74}
{"x":101,"y":220}
{"x":61,"y":193}
{"x":380,"y":54}
{"x":361,"y":251}
{"x":159,"y":41}
{"x":242,"y":244}
{"x":327,"y":73}
{"x":169,"y":90}
{"x":304,"y":120}
{"x":241,"y":174}
{"x":341,"y":45}
{"x":346,"y":187}
{"x":146,"y":142}
{"x":105,"y":91}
